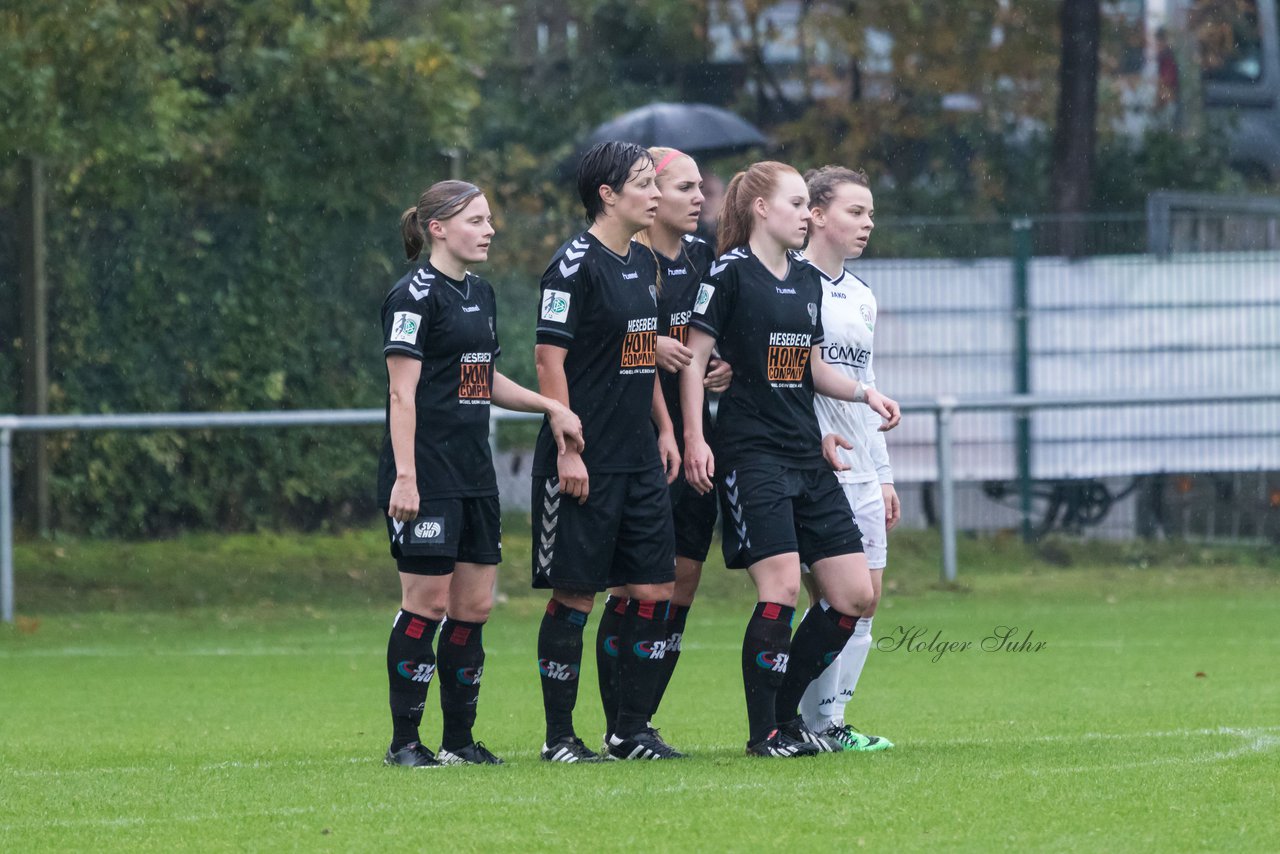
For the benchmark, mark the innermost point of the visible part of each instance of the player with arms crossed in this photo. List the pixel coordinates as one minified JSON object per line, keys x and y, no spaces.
{"x":435,"y":474}
{"x":842,"y":208}
{"x":682,"y":259}
{"x":780,"y":500}
{"x":602,"y":518}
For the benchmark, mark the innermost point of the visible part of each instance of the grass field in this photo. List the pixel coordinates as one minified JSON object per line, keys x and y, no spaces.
{"x":229,"y":693}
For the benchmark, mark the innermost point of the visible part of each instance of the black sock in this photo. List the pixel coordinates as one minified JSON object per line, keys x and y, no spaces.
{"x":410,"y":666}
{"x":819,"y":638}
{"x":765,"y":648}
{"x":642,"y":646}
{"x":675,"y":635}
{"x":460,"y":657}
{"x":607,"y":638}
{"x":559,"y":660}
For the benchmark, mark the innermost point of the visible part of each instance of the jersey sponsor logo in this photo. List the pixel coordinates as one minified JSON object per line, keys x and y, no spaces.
{"x":470,"y":309}
{"x":775,"y":662}
{"x":630,"y":276}
{"x":788,"y":357}
{"x":838,"y":295}
{"x":429,"y":529}
{"x":677,"y":271}
{"x":866,"y":318}
{"x":705,"y":292}
{"x":680,"y":332}
{"x":557,"y":671}
{"x":785,"y":290}
{"x":473,"y":385}
{"x":415,"y":672}
{"x":404,"y":327}
{"x":843,"y":354}
{"x":555,"y":306}
{"x":640,"y":347}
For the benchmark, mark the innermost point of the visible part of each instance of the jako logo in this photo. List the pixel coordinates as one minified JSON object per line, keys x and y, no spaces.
{"x":611,"y":645}
{"x":556,"y":670}
{"x":470,"y":675}
{"x":652,"y":650}
{"x":775,"y":661}
{"x":427,"y":530}
{"x":416,"y":672}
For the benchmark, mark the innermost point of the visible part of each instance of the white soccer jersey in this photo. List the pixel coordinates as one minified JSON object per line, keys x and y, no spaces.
{"x":849,"y":319}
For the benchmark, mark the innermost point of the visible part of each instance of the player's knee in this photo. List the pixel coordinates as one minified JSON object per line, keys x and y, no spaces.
{"x":574,"y":599}
{"x":855,"y":598}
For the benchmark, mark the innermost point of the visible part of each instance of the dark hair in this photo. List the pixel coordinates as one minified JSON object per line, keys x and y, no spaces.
{"x":606,"y":163}
{"x":736,"y":217}
{"x":442,"y":200}
{"x":822,"y":183}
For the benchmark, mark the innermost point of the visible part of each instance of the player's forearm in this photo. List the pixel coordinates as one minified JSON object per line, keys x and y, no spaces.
{"x":831,"y":383}
{"x":692,"y":393}
{"x":658,"y":409}
{"x":552,"y":381}
{"x":403,"y":424}
{"x":509,"y":394}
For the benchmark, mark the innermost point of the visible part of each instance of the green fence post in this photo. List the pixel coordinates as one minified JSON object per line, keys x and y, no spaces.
{"x":1022,"y":365}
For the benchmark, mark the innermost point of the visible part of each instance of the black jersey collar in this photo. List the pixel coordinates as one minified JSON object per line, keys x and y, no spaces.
{"x":461,"y":287}
{"x":621,"y":259}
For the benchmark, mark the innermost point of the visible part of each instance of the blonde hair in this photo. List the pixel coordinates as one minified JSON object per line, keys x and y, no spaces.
{"x":757,"y":181}
{"x":662,"y":156}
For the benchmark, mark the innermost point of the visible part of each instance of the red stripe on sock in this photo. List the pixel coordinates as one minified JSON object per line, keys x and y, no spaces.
{"x":415,"y":628}
{"x":460,"y":635}
{"x":847,"y":622}
{"x":772,"y":610}
{"x":619,"y":605}
{"x":645,"y":610}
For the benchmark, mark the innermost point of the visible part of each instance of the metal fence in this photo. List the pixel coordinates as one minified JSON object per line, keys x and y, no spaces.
{"x":944,"y":411}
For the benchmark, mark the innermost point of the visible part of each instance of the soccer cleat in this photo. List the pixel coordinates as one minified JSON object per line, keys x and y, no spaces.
{"x":779,"y":744}
{"x":797,"y":730}
{"x":569,"y":749}
{"x":851,"y":739}
{"x":412,"y":755}
{"x":473,"y":754}
{"x":646,"y":744}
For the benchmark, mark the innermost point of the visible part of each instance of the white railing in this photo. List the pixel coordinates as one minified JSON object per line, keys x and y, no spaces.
{"x":942,"y":408}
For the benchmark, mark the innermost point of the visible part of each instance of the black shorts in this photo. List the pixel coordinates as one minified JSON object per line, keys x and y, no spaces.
{"x":694,"y":516}
{"x":448,"y":531}
{"x":622,"y":535}
{"x":771,"y":509}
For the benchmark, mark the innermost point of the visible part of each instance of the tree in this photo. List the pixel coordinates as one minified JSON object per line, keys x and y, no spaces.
{"x":1076,"y":130}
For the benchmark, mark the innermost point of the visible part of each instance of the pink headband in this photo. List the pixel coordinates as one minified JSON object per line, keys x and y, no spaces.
{"x":662,"y":164}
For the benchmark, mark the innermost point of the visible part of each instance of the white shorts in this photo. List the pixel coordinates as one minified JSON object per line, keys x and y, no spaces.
{"x":867,"y":501}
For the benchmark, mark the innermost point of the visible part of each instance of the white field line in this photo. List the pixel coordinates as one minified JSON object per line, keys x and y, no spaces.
{"x":1258,"y":740}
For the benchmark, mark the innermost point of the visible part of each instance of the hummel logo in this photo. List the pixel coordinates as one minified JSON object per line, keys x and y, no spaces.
{"x":572,"y":255}
{"x":568,"y":270}
{"x":717,"y":269}
{"x":423,"y":279}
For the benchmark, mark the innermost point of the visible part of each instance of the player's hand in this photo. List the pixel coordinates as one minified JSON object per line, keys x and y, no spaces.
{"x":699,"y":465}
{"x":573,"y":475}
{"x":830,"y":443}
{"x":672,"y":355}
{"x":669,"y":453}
{"x":885,"y":407}
{"x":892,"y":506}
{"x":566,"y":428}
{"x":404,"y":499}
{"x":719,"y":375}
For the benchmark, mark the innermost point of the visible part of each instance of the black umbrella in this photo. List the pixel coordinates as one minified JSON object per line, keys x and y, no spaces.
{"x":693,"y":128}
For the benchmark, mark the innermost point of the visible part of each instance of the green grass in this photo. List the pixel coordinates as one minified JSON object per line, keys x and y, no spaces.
{"x":137,"y":716}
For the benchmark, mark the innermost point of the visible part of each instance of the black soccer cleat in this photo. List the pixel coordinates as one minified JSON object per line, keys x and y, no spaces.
{"x":473,"y":754}
{"x":798,"y":730}
{"x":782,"y":746}
{"x":569,"y":749}
{"x":646,"y":744}
{"x":412,"y":755}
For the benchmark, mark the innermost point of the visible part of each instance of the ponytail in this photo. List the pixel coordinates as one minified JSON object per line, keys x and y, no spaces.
{"x":412,"y":234}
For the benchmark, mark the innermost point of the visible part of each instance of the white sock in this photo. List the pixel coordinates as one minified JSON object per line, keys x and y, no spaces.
{"x":851,"y":660}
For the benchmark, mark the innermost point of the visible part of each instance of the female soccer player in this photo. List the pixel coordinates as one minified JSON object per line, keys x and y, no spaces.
{"x":602,"y":517}
{"x":841,"y":208}
{"x":435,"y":475}
{"x":780,"y":500}
{"x":682,"y":259}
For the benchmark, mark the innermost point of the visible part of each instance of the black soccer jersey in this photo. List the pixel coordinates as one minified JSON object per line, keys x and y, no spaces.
{"x":451,"y":327}
{"x":680,"y":280}
{"x":603,"y":309}
{"x":765,"y":328}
